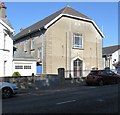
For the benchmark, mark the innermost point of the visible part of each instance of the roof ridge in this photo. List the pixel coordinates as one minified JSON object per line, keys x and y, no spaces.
{"x":65,"y":8}
{"x":111,"y":46}
{"x":49,"y":19}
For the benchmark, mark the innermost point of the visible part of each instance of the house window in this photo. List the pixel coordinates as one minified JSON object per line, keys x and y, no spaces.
{"x":77,"y":41}
{"x":5,"y":66}
{"x":18,"y":67}
{"x":77,"y":67}
{"x":5,"y":35}
{"x":40,"y":53}
{"x":27,"y":67}
{"x":25,"y":46}
{"x":32,"y":44}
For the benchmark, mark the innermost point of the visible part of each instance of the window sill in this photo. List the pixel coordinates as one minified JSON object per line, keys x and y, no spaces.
{"x":32,"y":49}
{"x":78,"y":48}
{"x":6,"y":50}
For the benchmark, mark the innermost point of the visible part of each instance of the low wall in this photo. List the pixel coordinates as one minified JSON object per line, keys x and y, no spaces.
{"x":40,"y":81}
{"x":33,"y":81}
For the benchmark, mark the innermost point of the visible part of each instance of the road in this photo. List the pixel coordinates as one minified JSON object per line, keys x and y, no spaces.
{"x":83,"y":99}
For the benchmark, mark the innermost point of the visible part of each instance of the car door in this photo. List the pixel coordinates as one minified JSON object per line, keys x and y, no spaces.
{"x":113,"y":76}
{"x":105,"y":76}
{"x":110,"y":76}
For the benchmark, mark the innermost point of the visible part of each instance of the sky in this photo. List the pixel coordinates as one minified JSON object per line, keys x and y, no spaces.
{"x":105,"y":15}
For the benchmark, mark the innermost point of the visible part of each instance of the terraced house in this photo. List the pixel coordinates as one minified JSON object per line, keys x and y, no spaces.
{"x":6,"y":43}
{"x":66,"y":39}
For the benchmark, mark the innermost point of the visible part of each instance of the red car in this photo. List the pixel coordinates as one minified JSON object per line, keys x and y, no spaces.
{"x":101,"y":77}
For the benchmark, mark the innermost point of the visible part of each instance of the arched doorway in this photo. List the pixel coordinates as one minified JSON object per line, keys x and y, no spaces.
{"x":77,"y":68}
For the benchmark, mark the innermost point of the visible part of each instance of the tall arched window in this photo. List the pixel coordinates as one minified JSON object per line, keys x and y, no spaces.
{"x":77,"y":67}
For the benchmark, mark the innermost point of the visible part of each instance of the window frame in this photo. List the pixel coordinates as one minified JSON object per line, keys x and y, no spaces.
{"x":25,"y":46}
{"x":40,"y":53}
{"x":32,"y":44}
{"x":27,"y":67}
{"x":80,"y":44}
{"x":18,"y":66}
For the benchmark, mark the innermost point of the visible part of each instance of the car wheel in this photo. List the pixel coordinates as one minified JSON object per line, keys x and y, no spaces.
{"x":6,"y":92}
{"x":88,"y":84}
{"x":100,"y":83}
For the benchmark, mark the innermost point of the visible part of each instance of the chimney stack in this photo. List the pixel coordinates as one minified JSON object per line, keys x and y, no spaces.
{"x":2,"y":10}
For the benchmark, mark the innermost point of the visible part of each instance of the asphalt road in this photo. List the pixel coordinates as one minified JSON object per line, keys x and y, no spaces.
{"x":83,"y":99}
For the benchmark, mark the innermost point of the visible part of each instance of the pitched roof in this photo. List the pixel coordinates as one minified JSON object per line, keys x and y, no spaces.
{"x":6,"y":25}
{"x":7,"y":22}
{"x":21,"y":54}
{"x":48,"y":20}
{"x":110,"y":49}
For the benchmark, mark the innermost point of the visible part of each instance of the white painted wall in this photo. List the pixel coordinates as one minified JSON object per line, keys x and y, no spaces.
{"x":6,"y":52}
{"x":115,"y":56}
{"x":25,"y":72}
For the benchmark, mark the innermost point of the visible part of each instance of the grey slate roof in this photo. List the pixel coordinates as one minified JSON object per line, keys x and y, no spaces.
{"x":110,"y":49}
{"x":7,"y":22}
{"x":42,"y":23}
{"x":21,"y":54}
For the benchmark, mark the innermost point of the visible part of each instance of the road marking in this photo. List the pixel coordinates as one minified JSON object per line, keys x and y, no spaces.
{"x":65,"y":102}
{"x":92,"y":87}
{"x":100,"y":100}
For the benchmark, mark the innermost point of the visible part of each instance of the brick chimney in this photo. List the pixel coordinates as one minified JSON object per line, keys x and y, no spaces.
{"x":2,"y":10}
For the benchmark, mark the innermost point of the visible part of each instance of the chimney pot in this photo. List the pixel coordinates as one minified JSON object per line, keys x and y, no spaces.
{"x":2,"y":4}
{"x":2,"y":10}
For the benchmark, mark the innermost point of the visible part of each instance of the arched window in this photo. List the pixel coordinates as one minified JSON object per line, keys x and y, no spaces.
{"x":77,"y":67}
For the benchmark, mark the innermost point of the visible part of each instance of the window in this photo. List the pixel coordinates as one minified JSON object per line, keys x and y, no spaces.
{"x":5,"y":67}
{"x":27,"y":67}
{"x":109,"y":72}
{"x":102,"y":72}
{"x":5,"y":35}
{"x":77,"y":67}
{"x":18,"y":67}
{"x":40,"y":53}
{"x":94,"y":72}
{"x":77,"y":41}
{"x":32,"y":44}
{"x":25,"y":46}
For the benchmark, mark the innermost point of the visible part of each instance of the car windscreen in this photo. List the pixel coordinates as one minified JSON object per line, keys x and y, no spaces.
{"x":94,"y":73}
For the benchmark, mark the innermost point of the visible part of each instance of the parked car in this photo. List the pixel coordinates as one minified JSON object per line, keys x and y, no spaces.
{"x":101,"y":77}
{"x":8,"y":89}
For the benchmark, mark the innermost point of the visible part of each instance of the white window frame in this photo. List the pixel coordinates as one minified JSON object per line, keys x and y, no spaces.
{"x":5,"y":67}
{"x":25,"y":46}
{"x":5,"y":40}
{"x":80,"y":45}
{"x":32,"y":44}
{"x":40,"y":53}
{"x":18,"y":67}
{"x":27,"y":67}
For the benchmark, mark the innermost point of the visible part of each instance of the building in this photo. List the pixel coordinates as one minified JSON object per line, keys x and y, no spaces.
{"x":23,"y":63}
{"x":11,"y":59}
{"x":111,"y":56}
{"x":6,"y":43}
{"x":66,"y":39}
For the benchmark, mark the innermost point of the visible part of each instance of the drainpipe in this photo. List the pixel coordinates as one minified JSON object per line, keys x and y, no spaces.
{"x":66,"y":53}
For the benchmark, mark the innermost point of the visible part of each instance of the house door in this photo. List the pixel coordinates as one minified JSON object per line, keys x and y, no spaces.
{"x":77,"y":68}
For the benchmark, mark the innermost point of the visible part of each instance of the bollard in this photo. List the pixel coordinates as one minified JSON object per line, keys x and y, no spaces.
{"x":33,"y":77}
